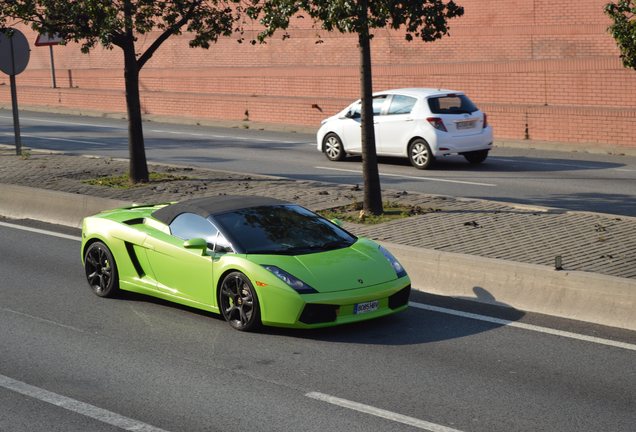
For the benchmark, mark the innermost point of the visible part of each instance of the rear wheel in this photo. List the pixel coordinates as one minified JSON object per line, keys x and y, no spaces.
{"x":420,"y":154}
{"x":101,"y":270}
{"x":476,"y":157}
{"x":239,"y":303}
{"x":334,"y":150}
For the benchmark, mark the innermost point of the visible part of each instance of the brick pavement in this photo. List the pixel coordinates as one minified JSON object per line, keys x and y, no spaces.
{"x":589,"y":242}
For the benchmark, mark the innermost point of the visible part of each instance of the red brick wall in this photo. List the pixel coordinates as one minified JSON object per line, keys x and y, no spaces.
{"x":545,"y":66}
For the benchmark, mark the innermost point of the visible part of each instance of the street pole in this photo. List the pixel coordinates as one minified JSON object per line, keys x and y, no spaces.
{"x":14,"y":105}
{"x":16,"y":119}
{"x":52,"y":67}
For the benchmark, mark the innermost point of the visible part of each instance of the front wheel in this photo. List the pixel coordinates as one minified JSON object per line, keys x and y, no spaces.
{"x":476,"y":157}
{"x":101,"y":270}
{"x":334,"y":150}
{"x":239,"y":303}
{"x":420,"y":154}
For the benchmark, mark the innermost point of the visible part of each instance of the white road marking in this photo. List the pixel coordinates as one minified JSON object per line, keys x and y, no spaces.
{"x":410,"y":177}
{"x":230,"y":137}
{"x":65,"y":122}
{"x":58,"y":139}
{"x":545,"y":330}
{"x":378,"y":412}
{"x":76,"y":406}
{"x":40,"y":231}
{"x":524,"y":326}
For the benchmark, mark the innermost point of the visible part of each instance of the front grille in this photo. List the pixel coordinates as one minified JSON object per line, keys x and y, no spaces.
{"x":400,"y":298}
{"x":318,"y":313}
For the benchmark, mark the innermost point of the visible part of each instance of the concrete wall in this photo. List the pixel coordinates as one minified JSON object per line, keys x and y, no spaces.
{"x":542,"y":69}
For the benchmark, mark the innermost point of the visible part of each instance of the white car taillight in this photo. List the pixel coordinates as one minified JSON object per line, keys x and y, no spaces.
{"x":485,"y":120}
{"x":437,"y":123}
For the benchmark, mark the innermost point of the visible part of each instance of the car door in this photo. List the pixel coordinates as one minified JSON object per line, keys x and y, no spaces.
{"x":183,"y":272}
{"x":352,"y":131}
{"x":394,"y":128}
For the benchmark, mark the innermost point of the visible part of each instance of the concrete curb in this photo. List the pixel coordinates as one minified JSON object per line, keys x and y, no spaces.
{"x":63,"y":208}
{"x":583,"y":296}
{"x":589,"y":297}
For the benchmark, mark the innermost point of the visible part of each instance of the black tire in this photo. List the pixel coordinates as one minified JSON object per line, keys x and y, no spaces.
{"x":420,"y":154}
{"x":476,"y":157}
{"x":238,"y":302}
{"x":101,"y":270}
{"x":332,"y":145}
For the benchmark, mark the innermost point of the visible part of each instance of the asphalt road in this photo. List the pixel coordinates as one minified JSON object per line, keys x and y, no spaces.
{"x":571,"y":180}
{"x":70,"y":361}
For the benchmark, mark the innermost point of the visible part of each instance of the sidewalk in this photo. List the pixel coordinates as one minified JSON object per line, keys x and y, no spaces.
{"x":604,"y":245}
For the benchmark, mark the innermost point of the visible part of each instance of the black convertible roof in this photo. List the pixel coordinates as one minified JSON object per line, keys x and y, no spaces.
{"x":213,"y":205}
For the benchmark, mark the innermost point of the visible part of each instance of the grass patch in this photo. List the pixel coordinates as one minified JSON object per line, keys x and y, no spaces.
{"x":354,"y":212}
{"x":123,"y":181}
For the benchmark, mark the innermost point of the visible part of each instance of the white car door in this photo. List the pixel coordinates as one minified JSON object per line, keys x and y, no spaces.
{"x":394,"y":127}
{"x":351,"y":132}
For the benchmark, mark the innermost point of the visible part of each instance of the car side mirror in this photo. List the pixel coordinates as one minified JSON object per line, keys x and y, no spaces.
{"x":352,"y":114}
{"x":196,"y":243}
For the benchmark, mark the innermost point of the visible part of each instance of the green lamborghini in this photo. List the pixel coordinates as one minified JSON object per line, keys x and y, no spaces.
{"x":254,"y":260}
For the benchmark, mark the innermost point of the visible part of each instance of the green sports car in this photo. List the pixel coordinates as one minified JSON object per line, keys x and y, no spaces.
{"x":255,"y":260}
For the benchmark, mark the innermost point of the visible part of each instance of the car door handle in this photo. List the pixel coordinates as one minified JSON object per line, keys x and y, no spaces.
{"x":409,"y":120}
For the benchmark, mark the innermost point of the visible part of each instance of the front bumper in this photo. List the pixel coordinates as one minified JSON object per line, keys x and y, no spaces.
{"x":335,"y":308}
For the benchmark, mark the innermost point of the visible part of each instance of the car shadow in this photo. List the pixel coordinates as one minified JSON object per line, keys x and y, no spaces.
{"x":423,"y":322}
{"x":500,"y":164}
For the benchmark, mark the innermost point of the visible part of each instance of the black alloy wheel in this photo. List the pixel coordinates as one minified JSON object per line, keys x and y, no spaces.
{"x":101,"y":270}
{"x":239,"y":303}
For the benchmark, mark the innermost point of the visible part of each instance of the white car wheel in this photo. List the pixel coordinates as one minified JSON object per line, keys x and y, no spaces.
{"x":334,"y":150}
{"x":420,"y":154}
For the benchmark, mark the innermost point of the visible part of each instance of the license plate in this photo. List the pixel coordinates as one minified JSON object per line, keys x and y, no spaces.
{"x":365,"y":307}
{"x":466,"y":124}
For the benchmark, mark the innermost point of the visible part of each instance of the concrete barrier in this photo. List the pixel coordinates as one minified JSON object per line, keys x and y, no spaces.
{"x":21,"y":202}
{"x":584,"y":296}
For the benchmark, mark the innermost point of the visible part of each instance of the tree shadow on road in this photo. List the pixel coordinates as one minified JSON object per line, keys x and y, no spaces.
{"x":620,"y":204}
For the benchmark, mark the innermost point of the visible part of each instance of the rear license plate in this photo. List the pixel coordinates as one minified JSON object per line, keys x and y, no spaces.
{"x":466,"y":124}
{"x":365,"y":307}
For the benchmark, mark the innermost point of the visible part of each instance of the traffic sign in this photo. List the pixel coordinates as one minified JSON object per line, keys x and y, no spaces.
{"x":14,"y":51}
{"x":46,"y":39}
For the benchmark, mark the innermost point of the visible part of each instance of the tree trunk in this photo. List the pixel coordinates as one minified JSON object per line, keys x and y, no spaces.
{"x":138,"y":171}
{"x":370,"y":175}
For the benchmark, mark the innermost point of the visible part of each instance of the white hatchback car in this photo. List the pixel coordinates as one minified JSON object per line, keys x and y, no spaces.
{"x":419,"y":123}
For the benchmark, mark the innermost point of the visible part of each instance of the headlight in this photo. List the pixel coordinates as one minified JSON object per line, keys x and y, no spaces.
{"x":298,"y":285}
{"x":399,"y":270}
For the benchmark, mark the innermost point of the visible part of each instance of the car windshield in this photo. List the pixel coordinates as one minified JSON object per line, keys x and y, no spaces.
{"x":451,"y":104}
{"x":282,"y":229}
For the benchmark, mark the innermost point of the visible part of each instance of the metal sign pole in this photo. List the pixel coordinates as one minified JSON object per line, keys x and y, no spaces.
{"x":14,"y":58}
{"x":52,"y":67}
{"x":16,"y":117}
{"x":14,"y":105}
